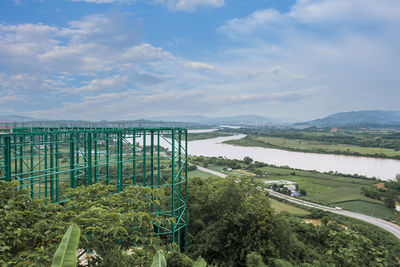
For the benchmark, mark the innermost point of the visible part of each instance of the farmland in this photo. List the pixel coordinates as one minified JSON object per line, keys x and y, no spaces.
{"x":325,"y":188}
{"x":313,"y":146}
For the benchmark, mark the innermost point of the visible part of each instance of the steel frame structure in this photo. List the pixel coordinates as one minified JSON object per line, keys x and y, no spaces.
{"x":47,"y":161}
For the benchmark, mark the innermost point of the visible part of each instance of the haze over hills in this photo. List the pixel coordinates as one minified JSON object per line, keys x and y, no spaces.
{"x":234,"y":120}
{"x":16,"y":118}
{"x":367,"y":118}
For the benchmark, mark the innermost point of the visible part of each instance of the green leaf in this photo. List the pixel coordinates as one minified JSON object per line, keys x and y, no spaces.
{"x":65,"y":255}
{"x":159,"y":260}
{"x":200,"y":262}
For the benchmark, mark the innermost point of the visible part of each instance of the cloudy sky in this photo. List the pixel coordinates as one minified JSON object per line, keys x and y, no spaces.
{"x":130,"y":59}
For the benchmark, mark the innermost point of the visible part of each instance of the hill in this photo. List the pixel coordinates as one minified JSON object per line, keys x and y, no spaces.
{"x":369,"y":118}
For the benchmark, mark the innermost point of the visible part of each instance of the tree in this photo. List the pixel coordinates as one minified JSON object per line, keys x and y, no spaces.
{"x":303,"y":192}
{"x":390,"y":203}
{"x":398,"y":177}
{"x":247,"y":160}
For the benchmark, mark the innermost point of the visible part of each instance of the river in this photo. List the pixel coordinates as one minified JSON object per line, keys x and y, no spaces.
{"x":385,"y":169}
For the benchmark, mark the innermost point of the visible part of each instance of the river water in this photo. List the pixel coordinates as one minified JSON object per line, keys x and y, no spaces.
{"x":385,"y":169}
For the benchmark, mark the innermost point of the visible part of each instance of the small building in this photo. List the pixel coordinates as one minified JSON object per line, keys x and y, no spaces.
{"x":295,"y":194}
{"x":291,"y":187}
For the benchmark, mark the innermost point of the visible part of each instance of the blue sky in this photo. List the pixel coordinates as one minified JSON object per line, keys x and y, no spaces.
{"x":130,"y":59}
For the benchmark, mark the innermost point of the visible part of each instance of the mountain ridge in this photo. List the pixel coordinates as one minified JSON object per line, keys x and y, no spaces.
{"x":380,"y":118}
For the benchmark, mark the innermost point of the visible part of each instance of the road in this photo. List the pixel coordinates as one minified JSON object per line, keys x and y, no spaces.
{"x":388,"y":226}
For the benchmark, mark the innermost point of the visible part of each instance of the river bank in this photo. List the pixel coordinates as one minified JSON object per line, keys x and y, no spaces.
{"x":315,"y":147}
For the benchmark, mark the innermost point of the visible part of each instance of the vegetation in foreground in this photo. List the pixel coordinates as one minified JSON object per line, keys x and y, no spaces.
{"x":231,"y":223}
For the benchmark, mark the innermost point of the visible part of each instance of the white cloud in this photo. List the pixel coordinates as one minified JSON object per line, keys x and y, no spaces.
{"x":275,"y":70}
{"x":105,"y":1}
{"x":110,"y":84}
{"x":175,"y":5}
{"x":344,"y":11}
{"x":198,"y":66}
{"x":192,"y":5}
{"x":145,"y":51}
{"x":244,"y":26}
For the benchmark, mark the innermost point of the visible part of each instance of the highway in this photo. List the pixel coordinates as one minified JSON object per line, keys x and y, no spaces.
{"x":388,"y":226}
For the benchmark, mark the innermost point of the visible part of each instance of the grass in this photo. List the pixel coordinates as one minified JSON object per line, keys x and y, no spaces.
{"x":202,"y":136}
{"x":314,"y":146}
{"x":200,"y":174}
{"x":322,"y":188}
{"x":279,"y":206}
{"x":368,"y":208}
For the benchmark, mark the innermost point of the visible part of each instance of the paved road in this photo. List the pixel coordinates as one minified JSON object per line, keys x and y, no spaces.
{"x":220,"y":174}
{"x":388,"y":226}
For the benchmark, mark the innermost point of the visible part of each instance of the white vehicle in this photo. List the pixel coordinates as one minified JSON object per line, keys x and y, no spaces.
{"x":338,"y":208}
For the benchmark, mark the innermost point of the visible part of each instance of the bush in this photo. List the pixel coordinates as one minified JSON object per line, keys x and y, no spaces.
{"x":192,"y":168}
{"x":176,"y":259}
{"x":254,"y":260}
{"x":390,"y":203}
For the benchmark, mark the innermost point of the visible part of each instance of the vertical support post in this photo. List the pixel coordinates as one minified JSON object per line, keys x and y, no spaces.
{"x":158,"y":158}
{"x":107,"y":159}
{"x":158,"y":171}
{"x":52,"y":167}
{"x":173,"y":183}
{"x":119,"y":150}
{"x":186,"y":193}
{"x":21,"y":159}
{"x":7,"y":157}
{"x":32,"y":166}
{"x":152,"y":163}
{"x":152,"y":158}
{"x":40,"y":172}
{"x":179,"y":184}
{"x":57,"y":166}
{"x":95,"y":157}
{"x":77,"y":138}
{"x":144,"y":157}
{"x":134,"y":156}
{"x":71,"y":161}
{"x":89,"y":158}
{"x":45,"y":166}
{"x":15,"y":157}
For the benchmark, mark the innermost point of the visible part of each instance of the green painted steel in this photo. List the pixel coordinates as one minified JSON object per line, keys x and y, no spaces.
{"x":48,"y":161}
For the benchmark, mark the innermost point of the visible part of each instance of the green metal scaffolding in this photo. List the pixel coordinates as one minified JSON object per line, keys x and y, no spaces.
{"x":47,"y":161}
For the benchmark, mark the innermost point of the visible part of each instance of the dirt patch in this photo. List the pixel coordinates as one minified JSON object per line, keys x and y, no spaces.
{"x":380,"y":185}
{"x":314,"y":222}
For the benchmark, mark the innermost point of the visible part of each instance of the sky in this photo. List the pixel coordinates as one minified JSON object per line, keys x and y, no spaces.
{"x":133,"y":59}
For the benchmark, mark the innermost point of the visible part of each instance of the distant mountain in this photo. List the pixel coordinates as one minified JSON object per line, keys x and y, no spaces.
{"x":369,"y":118}
{"x":233,"y":120}
{"x":16,"y":118}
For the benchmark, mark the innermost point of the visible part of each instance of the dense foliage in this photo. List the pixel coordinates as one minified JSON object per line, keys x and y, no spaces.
{"x":110,"y":224}
{"x":232,"y":224}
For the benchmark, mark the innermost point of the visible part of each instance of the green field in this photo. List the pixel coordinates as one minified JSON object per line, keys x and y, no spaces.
{"x":314,"y":146}
{"x":279,"y":206}
{"x":200,"y":174}
{"x":368,"y":208}
{"x":202,"y":136}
